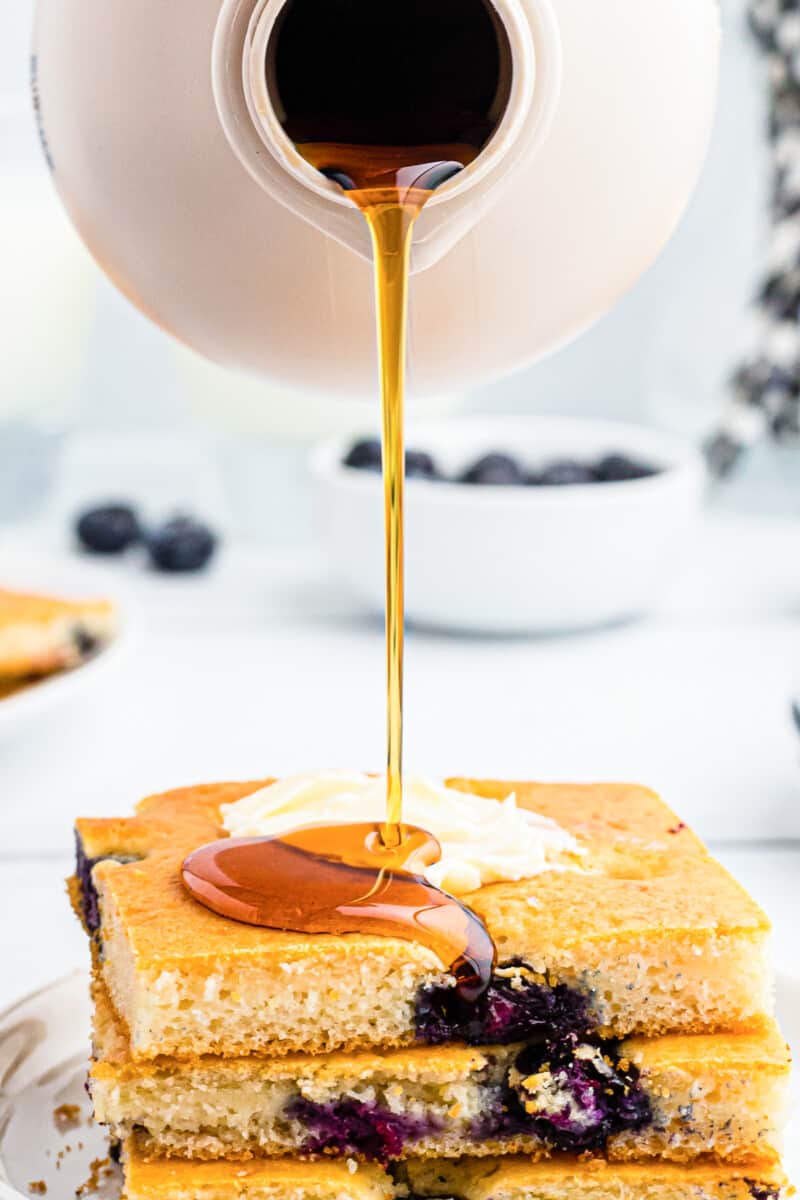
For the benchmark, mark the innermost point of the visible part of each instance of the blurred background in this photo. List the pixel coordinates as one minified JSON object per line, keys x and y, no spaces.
{"x":77,"y":361}
{"x":265,"y":663}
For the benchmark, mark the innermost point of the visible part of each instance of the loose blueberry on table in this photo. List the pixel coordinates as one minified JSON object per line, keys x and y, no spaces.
{"x":180,"y":545}
{"x":108,"y":528}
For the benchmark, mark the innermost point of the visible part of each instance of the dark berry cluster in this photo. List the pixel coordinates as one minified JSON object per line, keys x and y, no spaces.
{"x":565,"y":1087}
{"x":595,"y":1093}
{"x":766,"y":388}
{"x":760,"y":1191}
{"x":178,"y":545}
{"x":586,"y":1097}
{"x":87,"y":893}
{"x":498,"y":469}
{"x":517,"y":1006}
{"x":345,"y":1127}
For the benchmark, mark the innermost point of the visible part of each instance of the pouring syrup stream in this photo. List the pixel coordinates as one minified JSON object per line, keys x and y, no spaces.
{"x":390,"y":185}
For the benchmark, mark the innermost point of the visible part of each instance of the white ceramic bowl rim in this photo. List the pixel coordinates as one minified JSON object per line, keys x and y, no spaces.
{"x":678,"y":459}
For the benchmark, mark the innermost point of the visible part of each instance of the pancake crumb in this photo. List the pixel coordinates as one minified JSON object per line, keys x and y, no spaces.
{"x":37,"y":1187}
{"x":98,"y":1170}
{"x":67,"y":1116}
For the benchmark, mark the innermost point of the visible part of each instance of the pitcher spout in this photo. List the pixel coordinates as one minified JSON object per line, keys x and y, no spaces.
{"x":516,"y":45}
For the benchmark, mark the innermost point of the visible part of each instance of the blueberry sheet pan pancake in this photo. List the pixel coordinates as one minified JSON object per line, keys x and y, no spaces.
{"x":625,"y":1044}
{"x":645,"y":934}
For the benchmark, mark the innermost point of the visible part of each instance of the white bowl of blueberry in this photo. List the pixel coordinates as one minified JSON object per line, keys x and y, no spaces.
{"x":517,"y":524}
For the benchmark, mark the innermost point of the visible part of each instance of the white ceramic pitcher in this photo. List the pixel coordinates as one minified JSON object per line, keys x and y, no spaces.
{"x":157,"y":122}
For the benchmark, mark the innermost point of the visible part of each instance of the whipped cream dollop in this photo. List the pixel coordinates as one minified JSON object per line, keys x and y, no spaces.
{"x":483,"y":841}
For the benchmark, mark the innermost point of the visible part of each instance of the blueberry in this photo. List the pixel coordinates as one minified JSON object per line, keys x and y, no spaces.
{"x":616,"y":468}
{"x":420,"y":465}
{"x":436,"y":175}
{"x":181,"y":544}
{"x":344,"y":181}
{"x":516,"y":1007}
{"x":85,"y":643}
{"x":565,"y":473}
{"x":365,"y":455}
{"x":601,"y":1094}
{"x":498,"y":470}
{"x":109,"y":529}
{"x":87,"y":893}
{"x":345,"y":1127}
{"x":760,"y":1191}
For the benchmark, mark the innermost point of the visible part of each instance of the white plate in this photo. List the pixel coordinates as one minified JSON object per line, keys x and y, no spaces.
{"x":73,"y":578}
{"x":44,"y":1047}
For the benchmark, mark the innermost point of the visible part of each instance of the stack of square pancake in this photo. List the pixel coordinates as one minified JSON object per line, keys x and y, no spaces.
{"x":625,"y":1047}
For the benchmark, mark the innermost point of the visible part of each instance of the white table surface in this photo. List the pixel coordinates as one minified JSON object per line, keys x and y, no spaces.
{"x":264,"y":667}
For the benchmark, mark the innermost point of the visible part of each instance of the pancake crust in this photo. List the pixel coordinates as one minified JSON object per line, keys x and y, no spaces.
{"x":519,"y":1179}
{"x":650,"y":928}
{"x":278,"y":1180}
{"x":485,"y":1179}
